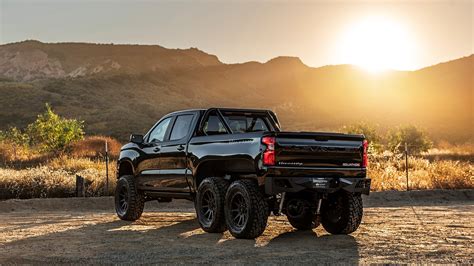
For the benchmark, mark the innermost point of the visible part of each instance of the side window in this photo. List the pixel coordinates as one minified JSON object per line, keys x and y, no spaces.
{"x":214,"y":126}
{"x":158,"y":133}
{"x":181,"y":127}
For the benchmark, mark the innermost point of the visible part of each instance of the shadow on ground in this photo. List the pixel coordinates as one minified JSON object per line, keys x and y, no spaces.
{"x":175,"y":239}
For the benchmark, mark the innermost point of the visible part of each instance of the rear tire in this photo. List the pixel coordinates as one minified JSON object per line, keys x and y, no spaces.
{"x":300,"y":215}
{"x":246,"y":209}
{"x":342,"y":212}
{"x":209,"y":204}
{"x":129,"y":201}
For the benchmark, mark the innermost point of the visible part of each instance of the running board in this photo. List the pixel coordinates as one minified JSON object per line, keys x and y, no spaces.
{"x":174,"y":195}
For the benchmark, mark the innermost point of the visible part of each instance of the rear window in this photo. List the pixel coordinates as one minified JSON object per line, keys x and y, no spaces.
{"x":214,"y":126}
{"x":246,"y":122}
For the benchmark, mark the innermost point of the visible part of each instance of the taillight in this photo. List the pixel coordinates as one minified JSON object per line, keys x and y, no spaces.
{"x":269,"y":153}
{"x":365,"y":159}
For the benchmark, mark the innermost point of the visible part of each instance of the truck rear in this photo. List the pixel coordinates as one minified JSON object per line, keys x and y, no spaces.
{"x":316,"y":178}
{"x":322,"y":162}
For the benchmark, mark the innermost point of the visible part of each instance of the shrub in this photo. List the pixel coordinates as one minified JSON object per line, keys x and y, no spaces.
{"x":415,"y":138}
{"x":50,"y":132}
{"x":370,"y":133}
{"x":15,"y":136}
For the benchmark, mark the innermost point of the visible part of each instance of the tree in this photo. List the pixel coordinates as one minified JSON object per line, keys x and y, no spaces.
{"x":416,"y":139}
{"x":50,"y":132}
{"x":370,"y":133}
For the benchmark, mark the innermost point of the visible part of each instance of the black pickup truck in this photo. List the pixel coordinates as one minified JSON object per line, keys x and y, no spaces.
{"x":239,"y":167}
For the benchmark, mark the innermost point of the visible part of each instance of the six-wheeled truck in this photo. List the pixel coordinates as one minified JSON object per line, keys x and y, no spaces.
{"x":238,"y":167}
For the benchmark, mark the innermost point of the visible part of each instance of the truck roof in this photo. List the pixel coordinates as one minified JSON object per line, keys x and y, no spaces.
{"x":226,"y":109}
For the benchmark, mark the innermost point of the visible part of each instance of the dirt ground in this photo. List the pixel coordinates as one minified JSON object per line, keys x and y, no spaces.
{"x":417,"y":230}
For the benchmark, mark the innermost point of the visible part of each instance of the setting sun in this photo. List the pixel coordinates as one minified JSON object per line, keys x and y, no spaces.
{"x":377,"y":44}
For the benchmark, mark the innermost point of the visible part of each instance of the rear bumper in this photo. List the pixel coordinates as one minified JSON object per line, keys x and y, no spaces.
{"x":275,"y":185}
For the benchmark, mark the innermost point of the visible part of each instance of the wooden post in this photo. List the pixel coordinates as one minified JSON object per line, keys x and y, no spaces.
{"x":106,"y":169}
{"x":80,"y":186}
{"x":406,"y":163}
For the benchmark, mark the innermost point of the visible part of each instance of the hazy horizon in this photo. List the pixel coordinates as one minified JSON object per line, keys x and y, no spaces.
{"x":279,"y":56}
{"x":390,"y":35}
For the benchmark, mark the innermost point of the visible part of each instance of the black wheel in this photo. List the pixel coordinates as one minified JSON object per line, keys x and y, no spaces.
{"x":210,"y":204}
{"x":342,"y":212}
{"x":129,"y":201}
{"x":300,"y":214}
{"x":246,"y":210}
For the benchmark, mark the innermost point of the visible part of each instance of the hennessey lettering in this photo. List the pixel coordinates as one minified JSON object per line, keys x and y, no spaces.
{"x":291,"y":163}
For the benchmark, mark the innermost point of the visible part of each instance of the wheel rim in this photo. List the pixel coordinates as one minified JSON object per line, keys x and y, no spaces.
{"x":208,"y":207}
{"x":295,"y":208}
{"x":239,"y":212}
{"x":122,"y":205}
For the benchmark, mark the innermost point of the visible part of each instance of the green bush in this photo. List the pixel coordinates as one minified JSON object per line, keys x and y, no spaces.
{"x":370,"y":133}
{"x":50,"y":132}
{"x":15,"y":136}
{"x":416,"y":139}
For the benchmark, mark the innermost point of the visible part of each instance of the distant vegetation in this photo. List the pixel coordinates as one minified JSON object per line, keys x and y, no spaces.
{"x":48,"y":133}
{"x":417,"y":140}
{"x":370,"y":132}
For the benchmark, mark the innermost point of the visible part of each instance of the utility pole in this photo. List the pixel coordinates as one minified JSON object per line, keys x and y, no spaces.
{"x":406,"y":163}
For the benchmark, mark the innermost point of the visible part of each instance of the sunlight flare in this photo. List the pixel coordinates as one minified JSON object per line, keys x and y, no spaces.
{"x":377,"y":44}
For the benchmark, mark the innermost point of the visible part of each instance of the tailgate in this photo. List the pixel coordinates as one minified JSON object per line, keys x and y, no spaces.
{"x":318,"y":150}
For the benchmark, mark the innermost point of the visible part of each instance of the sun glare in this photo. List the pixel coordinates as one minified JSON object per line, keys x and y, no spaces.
{"x":377,"y":44}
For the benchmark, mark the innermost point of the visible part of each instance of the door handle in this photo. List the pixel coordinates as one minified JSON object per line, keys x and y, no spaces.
{"x":156,"y":149}
{"x":180,"y":148}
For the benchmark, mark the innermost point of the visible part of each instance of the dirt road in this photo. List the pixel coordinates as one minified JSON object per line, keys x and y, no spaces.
{"x":419,"y":230}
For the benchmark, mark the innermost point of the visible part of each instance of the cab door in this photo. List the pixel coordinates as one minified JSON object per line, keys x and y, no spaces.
{"x":173,"y":161}
{"x":149,"y":167}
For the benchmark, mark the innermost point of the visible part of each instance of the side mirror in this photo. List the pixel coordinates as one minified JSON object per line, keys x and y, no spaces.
{"x":136,"y":138}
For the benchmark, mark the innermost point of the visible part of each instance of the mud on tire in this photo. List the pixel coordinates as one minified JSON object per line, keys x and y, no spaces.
{"x":209,"y":204}
{"x":246,"y":210}
{"x":342,"y":212}
{"x":129,"y":201}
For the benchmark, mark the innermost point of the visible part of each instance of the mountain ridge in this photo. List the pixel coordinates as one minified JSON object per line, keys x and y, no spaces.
{"x":119,"y":89}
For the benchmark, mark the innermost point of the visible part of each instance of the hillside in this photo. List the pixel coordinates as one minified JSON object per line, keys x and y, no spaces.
{"x":119,"y":89}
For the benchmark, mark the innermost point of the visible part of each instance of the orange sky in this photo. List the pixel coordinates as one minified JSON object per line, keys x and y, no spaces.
{"x":380,"y":34}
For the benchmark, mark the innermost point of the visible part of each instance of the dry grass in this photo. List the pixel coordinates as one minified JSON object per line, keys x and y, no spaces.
{"x":56,"y":179}
{"x":27,"y":174}
{"x":388,"y":173}
{"x":94,"y":146}
{"x":13,"y":154}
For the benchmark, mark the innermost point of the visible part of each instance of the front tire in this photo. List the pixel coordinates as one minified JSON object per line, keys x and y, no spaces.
{"x":210,"y":204}
{"x":129,"y":201}
{"x":246,"y":210}
{"x":342,"y":212}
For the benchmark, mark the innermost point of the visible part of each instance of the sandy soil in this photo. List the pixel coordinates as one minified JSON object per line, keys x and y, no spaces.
{"x":423,"y":232}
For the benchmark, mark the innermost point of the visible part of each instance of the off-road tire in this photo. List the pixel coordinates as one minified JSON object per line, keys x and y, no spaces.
{"x":217,"y":187}
{"x":350,"y":211}
{"x":126,"y":190}
{"x":254,"y":206}
{"x":307,"y":220}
